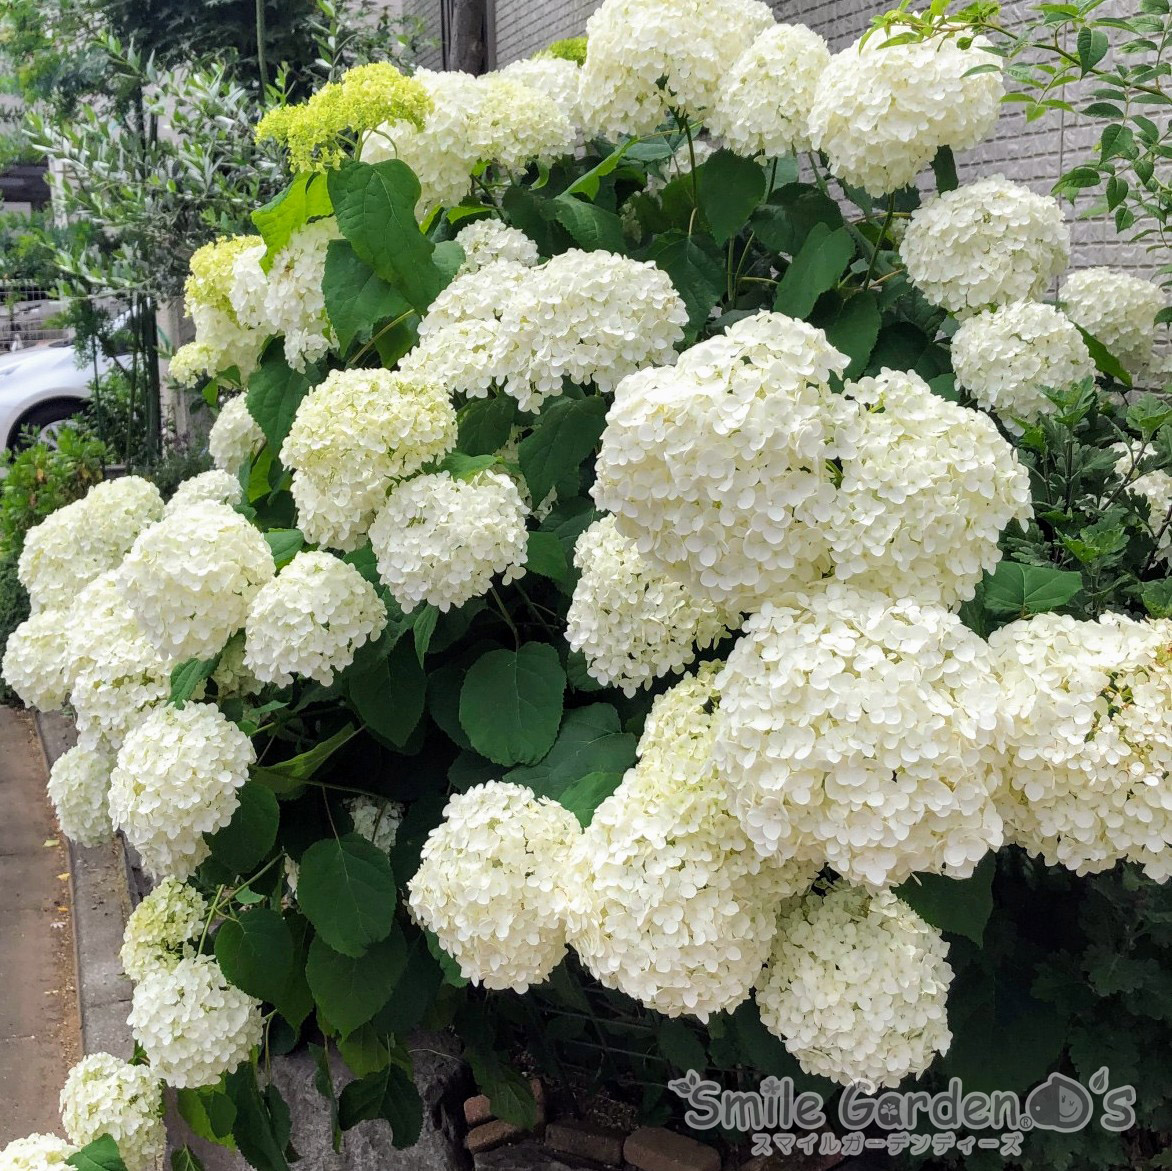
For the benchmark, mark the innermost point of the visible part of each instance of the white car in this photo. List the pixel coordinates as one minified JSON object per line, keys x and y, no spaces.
{"x":41,"y":388}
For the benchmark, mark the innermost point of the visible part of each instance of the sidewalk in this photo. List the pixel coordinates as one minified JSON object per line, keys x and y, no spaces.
{"x":39,"y":1024}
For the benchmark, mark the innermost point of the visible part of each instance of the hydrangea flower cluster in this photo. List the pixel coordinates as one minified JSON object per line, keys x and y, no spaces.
{"x":882,"y":111}
{"x":492,"y":884}
{"x":1008,"y":358}
{"x":191,"y":578}
{"x":1118,"y":309}
{"x":632,"y":622}
{"x":719,"y":468}
{"x":352,"y":437}
{"x":376,"y":821}
{"x":79,"y":782}
{"x":75,"y":544}
{"x":35,"y":658}
{"x":161,"y":928}
{"x":1091,"y":743}
{"x":856,"y":987}
{"x":106,"y":1095}
{"x":985,"y":244}
{"x":310,"y":620}
{"x":647,"y":58}
{"x":555,"y":77}
{"x":235,"y":437}
{"x":216,"y":486}
{"x":670,"y":902}
{"x":175,"y":779}
{"x":925,"y":495}
{"x":294,"y":303}
{"x":441,"y":540}
{"x":863,"y":732}
{"x":38,"y":1152}
{"x":193,"y":1025}
{"x":484,"y":241}
{"x":764,"y":104}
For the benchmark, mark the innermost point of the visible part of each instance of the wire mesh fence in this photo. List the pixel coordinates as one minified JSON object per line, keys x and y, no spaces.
{"x":29,"y":315}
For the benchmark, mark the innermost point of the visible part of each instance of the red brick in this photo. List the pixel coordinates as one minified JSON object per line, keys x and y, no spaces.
{"x":584,"y":1140}
{"x":651,"y":1148}
{"x":491,"y":1134}
{"x":477,"y":1110}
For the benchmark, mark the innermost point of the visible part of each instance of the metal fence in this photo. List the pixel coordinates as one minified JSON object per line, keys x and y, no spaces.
{"x":28,"y":315}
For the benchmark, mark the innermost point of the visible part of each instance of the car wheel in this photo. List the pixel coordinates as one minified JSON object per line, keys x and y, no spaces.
{"x":45,"y":421}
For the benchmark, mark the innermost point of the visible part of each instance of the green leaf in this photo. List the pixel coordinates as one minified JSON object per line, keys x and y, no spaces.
{"x":306,"y":198}
{"x":1022,"y":590}
{"x":347,"y":891}
{"x":730,"y":187}
{"x":465,"y":467}
{"x":944,"y":168}
{"x":356,"y":297}
{"x":285,"y":544}
{"x":389,"y":1094}
{"x":257,"y":1132}
{"x":1148,"y":414}
{"x":565,"y":435}
{"x":486,"y":424}
{"x":255,"y":952}
{"x":185,"y":1159}
{"x":791,"y":213}
{"x":389,"y":693}
{"x":100,"y":1155}
{"x":1157,"y":598}
{"x":588,"y":184}
{"x":285,"y":777}
{"x":815,"y":269}
{"x":366,"y":1050}
{"x":591,"y":227}
{"x":187,"y":676}
{"x":426,"y":618}
{"x":545,"y":556}
{"x":854,"y":330}
{"x":208,"y":1111}
{"x":415,"y":993}
{"x":1103,"y":358}
{"x":511,"y":703}
{"x":583,"y":796}
{"x":698,"y":277}
{"x":681,"y":1047}
{"x":243,"y":843}
{"x":349,"y":989}
{"x":509,"y":1094}
{"x":375,"y":208}
{"x":1091,"y":46}
{"x":590,"y":740}
{"x":960,"y":906}
{"x":275,"y":391}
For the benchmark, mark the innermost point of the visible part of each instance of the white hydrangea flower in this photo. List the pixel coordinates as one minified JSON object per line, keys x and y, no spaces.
{"x":352,"y":437}
{"x":862,"y":732}
{"x":217,"y":486}
{"x":442,"y":540}
{"x":487,"y":240}
{"x":247,"y":287}
{"x":35,"y":659}
{"x":38,"y":1152}
{"x":310,"y":619}
{"x":75,"y":544}
{"x":191,"y":362}
{"x":1008,"y":358}
{"x":1118,"y":309}
{"x":589,"y":317}
{"x":515,"y":124}
{"x":720,"y":468}
{"x":376,"y":821}
{"x":670,"y":903}
{"x":235,"y":436}
{"x":161,"y":929}
{"x":926,"y":494}
{"x":461,"y":356}
{"x":647,"y":57}
{"x":105,"y":1095}
{"x":492,"y":884}
{"x":632,"y":622}
{"x":176,"y":779}
{"x":881,"y":112}
{"x":552,"y":76}
{"x":191,"y":578}
{"x":985,"y":244}
{"x":78,"y":784}
{"x":475,"y":296}
{"x":1091,"y":742}
{"x":193,"y":1025}
{"x":857,"y":987}
{"x":294,"y":302}
{"x":764,"y":105}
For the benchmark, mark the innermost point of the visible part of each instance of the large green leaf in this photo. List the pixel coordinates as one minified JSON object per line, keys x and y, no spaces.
{"x":815,"y":269}
{"x":1021,"y":590}
{"x":853,"y":328}
{"x":485,"y":424}
{"x":784,"y":221}
{"x":415,"y":992}
{"x":699,"y":277}
{"x":208,"y":1111}
{"x":565,"y":435}
{"x":389,"y":1094}
{"x":348,"y":989}
{"x":307,"y":197}
{"x":511,"y":703}
{"x":100,"y":1155}
{"x":590,"y":740}
{"x":187,"y":676}
{"x":375,"y":209}
{"x":509,"y":1094}
{"x":592,"y":228}
{"x":356,"y":297}
{"x":259,"y":1130}
{"x":347,"y":891}
{"x":545,"y":556}
{"x":389,"y":692}
{"x":255,"y":952}
{"x":286,"y":777}
{"x":275,"y":391}
{"x":731,"y":186}
{"x":249,"y":836}
{"x":583,"y":797}
{"x":959,"y":905}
